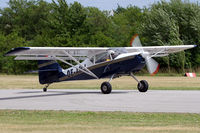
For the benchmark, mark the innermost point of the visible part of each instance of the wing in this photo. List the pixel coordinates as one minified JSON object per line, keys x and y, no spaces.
{"x":158,"y":51}
{"x":46,"y":53}
{"x":80,"y":53}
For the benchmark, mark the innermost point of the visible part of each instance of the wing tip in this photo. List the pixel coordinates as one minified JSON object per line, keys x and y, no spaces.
{"x":15,"y":50}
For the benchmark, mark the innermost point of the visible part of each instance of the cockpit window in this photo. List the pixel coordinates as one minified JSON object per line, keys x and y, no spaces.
{"x":101,"y":57}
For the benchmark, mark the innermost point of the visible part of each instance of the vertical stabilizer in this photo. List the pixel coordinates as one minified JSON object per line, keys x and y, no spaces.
{"x":49,"y":71}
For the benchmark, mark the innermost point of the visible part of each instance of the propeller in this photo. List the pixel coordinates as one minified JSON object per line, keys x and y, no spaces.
{"x":152,"y":65}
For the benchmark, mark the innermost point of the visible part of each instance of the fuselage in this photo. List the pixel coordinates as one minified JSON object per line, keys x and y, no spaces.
{"x":102,"y":65}
{"x":119,"y":67}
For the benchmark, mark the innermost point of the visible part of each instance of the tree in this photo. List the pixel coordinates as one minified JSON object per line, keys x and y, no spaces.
{"x":57,"y":24}
{"x":126,"y":23}
{"x":171,"y":23}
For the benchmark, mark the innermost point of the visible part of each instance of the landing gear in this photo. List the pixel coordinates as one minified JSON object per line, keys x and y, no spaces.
{"x":45,"y":88}
{"x":106,"y":87}
{"x":142,"y":85}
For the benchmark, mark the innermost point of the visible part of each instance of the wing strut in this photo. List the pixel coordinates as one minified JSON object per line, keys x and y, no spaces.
{"x":74,"y":59}
{"x":83,"y":69}
{"x":57,"y":58}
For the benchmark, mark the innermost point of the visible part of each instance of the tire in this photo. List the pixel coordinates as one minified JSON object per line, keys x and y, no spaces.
{"x":106,"y":88}
{"x":45,"y":89}
{"x":143,"y":86}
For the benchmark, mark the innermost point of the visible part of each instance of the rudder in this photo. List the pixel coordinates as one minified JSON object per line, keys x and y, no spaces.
{"x":49,"y":71}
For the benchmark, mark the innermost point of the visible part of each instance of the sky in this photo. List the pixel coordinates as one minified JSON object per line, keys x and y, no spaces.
{"x":105,"y":4}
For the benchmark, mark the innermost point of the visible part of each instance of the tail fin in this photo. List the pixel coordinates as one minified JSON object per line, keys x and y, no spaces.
{"x":49,"y":71}
{"x":135,"y":41}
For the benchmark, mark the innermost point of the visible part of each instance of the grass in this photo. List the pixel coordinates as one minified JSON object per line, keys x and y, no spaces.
{"x":98,"y":122}
{"x":13,"y":121}
{"x":155,"y":82}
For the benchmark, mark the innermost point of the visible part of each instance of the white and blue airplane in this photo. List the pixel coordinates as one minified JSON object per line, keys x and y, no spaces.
{"x":97,"y":62}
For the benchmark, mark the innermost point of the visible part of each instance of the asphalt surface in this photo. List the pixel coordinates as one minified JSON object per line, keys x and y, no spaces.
{"x":93,"y":100}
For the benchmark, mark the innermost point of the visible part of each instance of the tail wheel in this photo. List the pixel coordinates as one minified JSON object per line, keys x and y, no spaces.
{"x":106,"y":88}
{"x":44,"y":89}
{"x":143,"y":86}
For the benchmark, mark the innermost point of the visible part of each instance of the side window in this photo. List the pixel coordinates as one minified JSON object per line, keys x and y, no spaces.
{"x":101,"y":57}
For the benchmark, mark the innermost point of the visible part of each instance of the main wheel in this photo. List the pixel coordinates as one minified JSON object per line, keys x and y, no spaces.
{"x":143,"y":86}
{"x":106,"y":88}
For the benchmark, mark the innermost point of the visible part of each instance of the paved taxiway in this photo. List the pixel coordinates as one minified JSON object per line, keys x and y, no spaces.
{"x":93,"y":100}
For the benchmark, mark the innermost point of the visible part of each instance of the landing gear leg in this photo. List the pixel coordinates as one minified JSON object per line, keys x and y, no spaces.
{"x":45,"y":88}
{"x":106,"y":87}
{"x":142,"y":85}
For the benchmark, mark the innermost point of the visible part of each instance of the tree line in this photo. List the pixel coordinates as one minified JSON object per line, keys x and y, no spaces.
{"x":60,"y":24}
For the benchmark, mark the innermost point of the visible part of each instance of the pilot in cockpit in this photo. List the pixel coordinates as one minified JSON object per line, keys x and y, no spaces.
{"x":110,"y":56}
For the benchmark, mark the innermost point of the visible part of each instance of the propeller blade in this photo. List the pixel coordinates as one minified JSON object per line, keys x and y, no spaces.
{"x":152,"y":65}
{"x":135,"y":41}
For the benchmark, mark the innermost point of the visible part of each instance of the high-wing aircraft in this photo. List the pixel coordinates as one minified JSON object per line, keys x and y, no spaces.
{"x":95,"y":62}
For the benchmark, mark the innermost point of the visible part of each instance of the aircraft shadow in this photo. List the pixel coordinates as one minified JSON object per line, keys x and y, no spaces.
{"x":55,"y":93}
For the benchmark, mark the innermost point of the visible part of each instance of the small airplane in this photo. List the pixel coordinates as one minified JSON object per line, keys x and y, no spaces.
{"x":97,"y":62}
